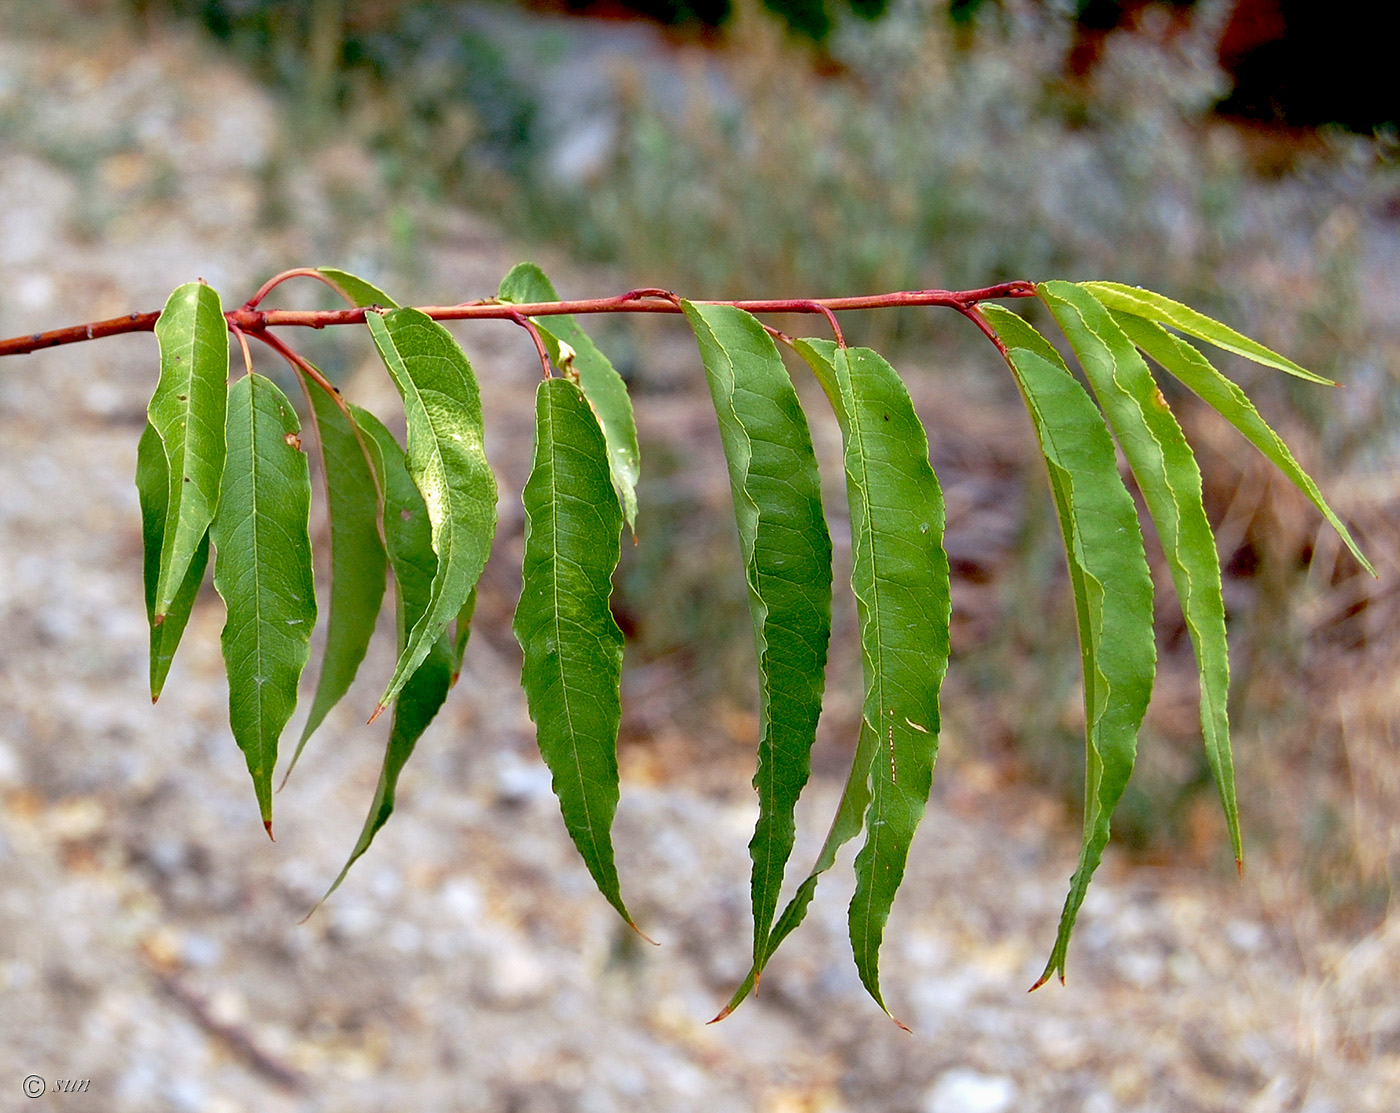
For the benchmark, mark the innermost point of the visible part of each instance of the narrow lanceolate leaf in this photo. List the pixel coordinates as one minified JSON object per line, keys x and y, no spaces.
{"x":846,"y":825}
{"x":1111,"y":585}
{"x":187,"y":412}
{"x":787,"y":564}
{"x":572,"y":646}
{"x":461,"y":631}
{"x":356,"y":290}
{"x":408,"y":538}
{"x":447,"y":461}
{"x":1166,"y":473}
{"x":153,"y":490}
{"x":262,"y":569}
{"x":832,"y":369}
{"x":1200,"y":376}
{"x":357,"y":554}
{"x":900,"y":580}
{"x":408,"y":532}
{"x":1151,"y":306}
{"x":575,"y":354}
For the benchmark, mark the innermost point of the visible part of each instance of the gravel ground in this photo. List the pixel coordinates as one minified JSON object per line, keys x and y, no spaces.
{"x":151,"y":947}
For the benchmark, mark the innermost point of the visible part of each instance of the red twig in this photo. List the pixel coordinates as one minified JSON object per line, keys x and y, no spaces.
{"x":835,"y":325}
{"x":529,"y":326}
{"x":243,"y":343}
{"x":972,"y":313}
{"x":73,"y":334}
{"x":301,"y":364}
{"x":255,"y":322}
{"x":297,"y":272}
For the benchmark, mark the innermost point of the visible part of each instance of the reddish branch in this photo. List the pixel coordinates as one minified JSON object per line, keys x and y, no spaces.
{"x":255,"y":322}
{"x":529,"y":326}
{"x":130,"y":322}
{"x":973,"y":314}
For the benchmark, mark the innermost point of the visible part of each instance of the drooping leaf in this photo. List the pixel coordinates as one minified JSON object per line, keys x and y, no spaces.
{"x":912,"y":750}
{"x":461,"y":631}
{"x":1166,"y":473}
{"x":408,"y":532}
{"x":356,"y":290}
{"x":787,"y":565}
{"x":358,"y":564}
{"x":187,"y":412}
{"x":571,"y":644}
{"x":153,"y":490}
{"x":900,"y":580}
{"x":447,"y":461}
{"x":1017,"y":334}
{"x":1151,"y":306}
{"x":1111,"y":585}
{"x":1200,"y":376}
{"x":408,"y":539}
{"x":262,"y":569}
{"x":845,"y":825}
{"x":415,"y":708}
{"x":602,"y":385}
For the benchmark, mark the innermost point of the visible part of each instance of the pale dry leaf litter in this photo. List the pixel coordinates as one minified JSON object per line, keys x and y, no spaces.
{"x":149,"y":934}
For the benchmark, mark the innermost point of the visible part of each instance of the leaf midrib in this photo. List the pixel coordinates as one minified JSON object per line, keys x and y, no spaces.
{"x":868,"y":531}
{"x":769,"y":788}
{"x":555,"y":559}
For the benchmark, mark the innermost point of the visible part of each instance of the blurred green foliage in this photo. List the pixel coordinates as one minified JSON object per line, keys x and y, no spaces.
{"x":927,"y":159}
{"x":416,"y":79}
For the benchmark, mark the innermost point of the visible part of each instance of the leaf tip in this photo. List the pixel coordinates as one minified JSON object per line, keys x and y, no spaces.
{"x":378,"y":711}
{"x":1239,"y":865}
{"x":267,"y":825}
{"x":158,"y":620}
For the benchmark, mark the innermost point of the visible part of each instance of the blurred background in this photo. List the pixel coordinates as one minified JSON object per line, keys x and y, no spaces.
{"x":1242,"y":155}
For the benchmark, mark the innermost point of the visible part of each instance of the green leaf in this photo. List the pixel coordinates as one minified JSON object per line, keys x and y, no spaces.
{"x":415,"y":708}
{"x":187,"y":411}
{"x":1166,"y":473}
{"x":153,"y":490}
{"x":1111,"y":585}
{"x":356,"y":290}
{"x":575,"y":354}
{"x":903,"y":598}
{"x":1200,"y":376}
{"x":872,"y":747}
{"x":408,"y":538}
{"x":572,"y":646}
{"x":358,"y":562}
{"x":262,"y":569}
{"x":408,"y":531}
{"x":448,"y":464}
{"x":1138,"y":302}
{"x":845,"y":825}
{"x":787,"y":564}
{"x":461,"y":631}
